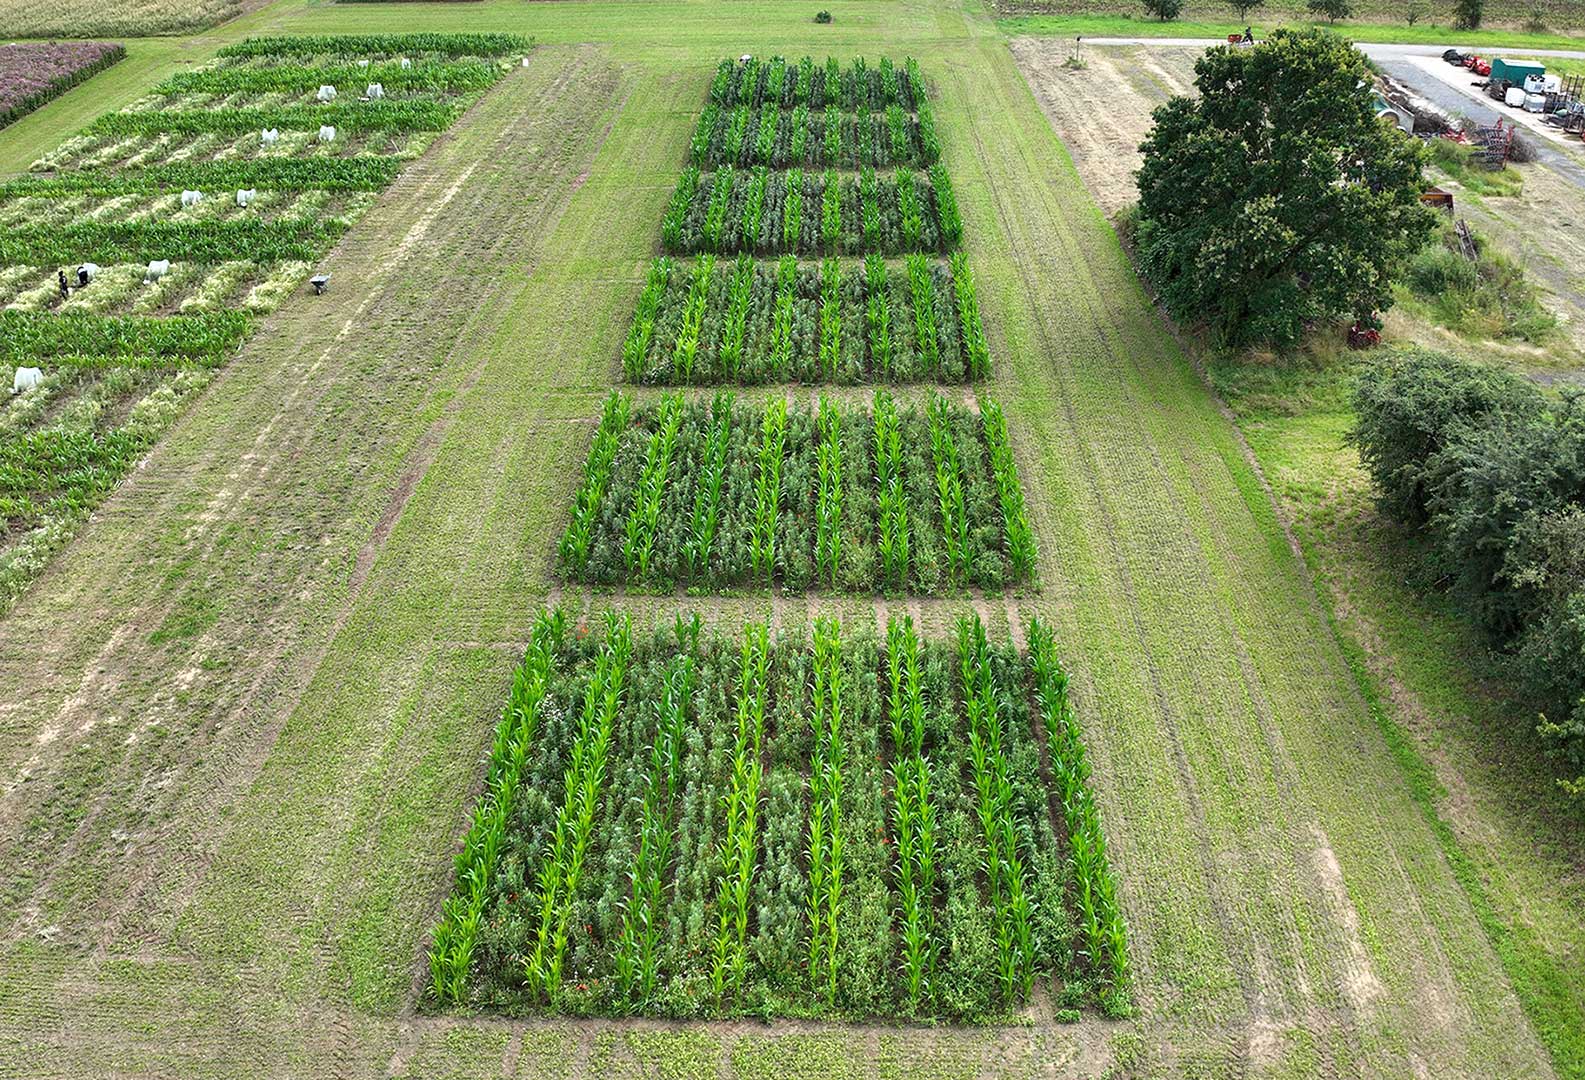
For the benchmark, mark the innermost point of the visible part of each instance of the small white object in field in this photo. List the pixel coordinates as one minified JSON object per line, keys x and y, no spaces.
{"x":157,"y":269}
{"x":246,"y":195}
{"x":191,"y":198}
{"x":363,"y":63}
{"x":269,"y":135}
{"x":86,"y":273}
{"x":745,"y":58}
{"x":406,"y":63}
{"x":327,"y":133}
{"x":327,"y":93}
{"x":375,"y":92}
{"x":525,"y":61}
{"x":26,"y":378}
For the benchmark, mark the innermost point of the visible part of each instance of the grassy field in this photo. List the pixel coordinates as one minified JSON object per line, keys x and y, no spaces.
{"x":245,"y":714}
{"x":116,"y":18}
{"x":1129,"y":26}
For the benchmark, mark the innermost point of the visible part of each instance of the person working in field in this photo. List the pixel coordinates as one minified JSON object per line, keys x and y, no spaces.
{"x":66,"y":289}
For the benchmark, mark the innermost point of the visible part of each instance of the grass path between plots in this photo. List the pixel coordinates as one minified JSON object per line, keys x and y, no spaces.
{"x":237,"y":838}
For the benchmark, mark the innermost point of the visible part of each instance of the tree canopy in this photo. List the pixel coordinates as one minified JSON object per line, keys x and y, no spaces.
{"x":1276,"y":198}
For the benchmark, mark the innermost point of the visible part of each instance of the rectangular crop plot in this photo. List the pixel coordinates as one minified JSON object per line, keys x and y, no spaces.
{"x":691,"y":825}
{"x":808,"y":162}
{"x":714,"y":493}
{"x":715,"y":320}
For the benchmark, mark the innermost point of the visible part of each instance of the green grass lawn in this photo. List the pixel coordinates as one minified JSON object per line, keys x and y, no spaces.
{"x":1380,"y":33}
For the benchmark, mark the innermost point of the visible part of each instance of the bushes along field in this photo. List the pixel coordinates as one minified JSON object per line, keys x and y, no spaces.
{"x":686,"y":824}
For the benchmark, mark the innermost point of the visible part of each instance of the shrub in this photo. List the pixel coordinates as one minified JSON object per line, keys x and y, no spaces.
{"x":1165,"y":10}
{"x":1331,"y":10}
{"x":823,"y":17}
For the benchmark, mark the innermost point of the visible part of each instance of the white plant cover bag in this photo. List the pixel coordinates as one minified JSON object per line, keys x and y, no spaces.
{"x":157,"y":269}
{"x":87,"y":270}
{"x":327,"y":93}
{"x":406,"y":63}
{"x":376,"y":91}
{"x":246,"y":195}
{"x":327,"y":133}
{"x":26,"y":378}
{"x":191,"y":198}
{"x":269,"y":135}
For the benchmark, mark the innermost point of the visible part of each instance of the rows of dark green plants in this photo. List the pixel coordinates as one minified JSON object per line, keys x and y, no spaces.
{"x":716,"y":320}
{"x":859,"y":85}
{"x":689,"y":824}
{"x":306,"y":46}
{"x":434,"y":76}
{"x":362,"y":173}
{"x":745,"y":136}
{"x":720,"y":494}
{"x":811,"y":212}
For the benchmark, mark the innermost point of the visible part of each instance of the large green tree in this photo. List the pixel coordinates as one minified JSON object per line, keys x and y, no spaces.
{"x":1276,"y":198}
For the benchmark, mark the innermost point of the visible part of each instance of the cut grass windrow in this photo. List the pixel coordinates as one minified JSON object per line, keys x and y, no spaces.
{"x":452,"y":950}
{"x":562,"y":870}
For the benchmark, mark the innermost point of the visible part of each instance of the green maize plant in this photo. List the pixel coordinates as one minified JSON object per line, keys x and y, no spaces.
{"x":891,"y":495}
{"x":671,"y":229}
{"x":720,"y":203}
{"x":636,"y":962}
{"x":831,"y":318}
{"x":645,"y":514}
{"x":869,"y":194}
{"x":929,"y":140}
{"x":722,"y":89}
{"x":908,"y":206}
{"x":1013,"y":912}
{"x":865,"y":147}
{"x":707,"y":496}
{"x":596,"y":480}
{"x":776,"y":81}
{"x":1101,"y":927}
{"x":361,"y":116}
{"x":635,"y":351}
{"x":800,"y":134}
{"x":806,"y":78}
{"x":686,"y":347}
{"x":927,"y":335}
{"x":1020,"y":537}
{"x":443,"y":44}
{"x":831,"y":213}
{"x":736,"y":133}
{"x":767,"y":494}
{"x":452,"y":950}
{"x":946,"y":206}
{"x":833,"y":137}
{"x":833,"y":84}
{"x":738,"y":848}
{"x":976,"y":351}
{"x":828,"y":504}
{"x":826,"y":854}
{"x":916,"y":82}
{"x":898,"y":125}
{"x":782,"y":322}
{"x":949,"y":488}
{"x":890,"y":92}
{"x":765,"y":141}
{"x":793,"y":210}
{"x":754,"y":208}
{"x":914,"y":815}
{"x":878,"y":312}
{"x":704,"y":135}
{"x":730,"y":354}
{"x":561,"y":870}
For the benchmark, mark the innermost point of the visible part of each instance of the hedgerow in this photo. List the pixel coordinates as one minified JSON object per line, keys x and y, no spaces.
{"x":724,"y":495}
{"x":764,"y":824}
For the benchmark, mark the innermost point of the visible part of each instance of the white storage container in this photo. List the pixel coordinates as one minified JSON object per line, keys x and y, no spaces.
{"x":1535,"y":103}
{"x":1515,"y":98}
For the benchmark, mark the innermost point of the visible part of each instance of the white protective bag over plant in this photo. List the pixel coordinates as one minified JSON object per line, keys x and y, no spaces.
{"x":327,"y":93}
{"x":327,"y":133}
{"x":246,"y":195}
{"x":157,"y":269}
{"x":191,"y":198}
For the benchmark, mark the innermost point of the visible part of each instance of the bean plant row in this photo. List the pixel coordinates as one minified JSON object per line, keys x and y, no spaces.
{"x":718,"y":494}
{"x":691,"y":823}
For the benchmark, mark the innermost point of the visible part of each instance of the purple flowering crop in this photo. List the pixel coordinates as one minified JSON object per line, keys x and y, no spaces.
{"x":32,"y":72}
